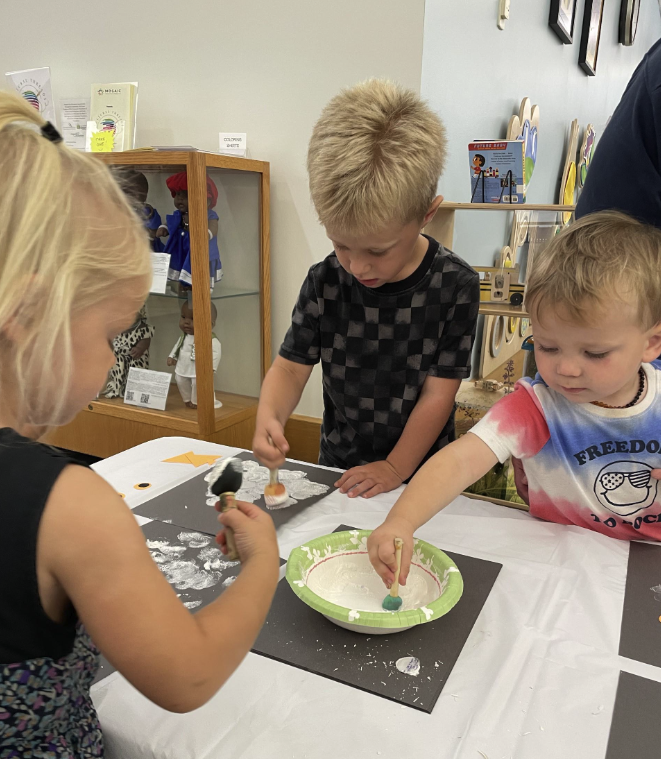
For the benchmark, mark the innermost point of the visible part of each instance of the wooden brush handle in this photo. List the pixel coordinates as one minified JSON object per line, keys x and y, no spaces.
{"x":227,"y":502}
{"x":394,"y":589}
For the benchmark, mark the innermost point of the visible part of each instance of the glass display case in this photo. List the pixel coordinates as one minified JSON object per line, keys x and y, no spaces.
{"x":206,"y":323}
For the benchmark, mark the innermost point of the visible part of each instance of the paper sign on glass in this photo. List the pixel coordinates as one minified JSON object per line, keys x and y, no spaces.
{"x":74,"y":115}
{"x":234,"y":143}
{"x":34,"y":86}
{"x":160,"y":265}
{"x":147,"y":389}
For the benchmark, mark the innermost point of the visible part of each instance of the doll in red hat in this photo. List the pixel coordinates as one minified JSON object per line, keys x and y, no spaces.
{"x":178,"y":244}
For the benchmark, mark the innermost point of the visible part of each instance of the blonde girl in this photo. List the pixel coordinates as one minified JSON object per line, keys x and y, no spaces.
{"x":74,"y":271}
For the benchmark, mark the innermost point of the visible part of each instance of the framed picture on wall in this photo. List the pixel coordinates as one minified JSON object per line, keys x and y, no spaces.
{"x":561,"y":19}
{"x":629,"y":11}
{"x":587,"y":56}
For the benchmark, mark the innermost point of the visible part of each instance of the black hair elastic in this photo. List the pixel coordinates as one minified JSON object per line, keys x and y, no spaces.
{"x":51,"y":133}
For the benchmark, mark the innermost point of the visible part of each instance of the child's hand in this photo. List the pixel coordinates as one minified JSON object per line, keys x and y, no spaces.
{"x":254,"y":533}
{"x":369,"y":480}
{"x":381,"y":550}
{"x":171,"y":361}
{"x":140,"y":347}
{"x":656,"y":473}
{"x":270,"y":444}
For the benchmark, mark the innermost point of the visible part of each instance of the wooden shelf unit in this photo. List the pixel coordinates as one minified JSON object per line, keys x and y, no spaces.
{"x":442,"y":229}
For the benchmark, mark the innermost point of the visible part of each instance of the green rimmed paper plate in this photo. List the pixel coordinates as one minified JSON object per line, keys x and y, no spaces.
{"x":333,"y":575}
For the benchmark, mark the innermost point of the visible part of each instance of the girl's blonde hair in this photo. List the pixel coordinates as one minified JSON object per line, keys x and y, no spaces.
{"x":375,"y":157}
{"x":601,"y":260}
{"x":68,"y":236}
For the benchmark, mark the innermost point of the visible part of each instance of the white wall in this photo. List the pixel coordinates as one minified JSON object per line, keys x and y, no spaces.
{"x":475,"y":76}
{"x":267,"y":68}
{"x":257,"y":66}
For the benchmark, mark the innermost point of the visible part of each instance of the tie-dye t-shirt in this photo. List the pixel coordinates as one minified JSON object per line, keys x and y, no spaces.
{"x":585,"y":465}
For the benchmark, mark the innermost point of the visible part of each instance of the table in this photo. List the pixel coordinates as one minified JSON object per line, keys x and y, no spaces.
{"x":536,"y":679}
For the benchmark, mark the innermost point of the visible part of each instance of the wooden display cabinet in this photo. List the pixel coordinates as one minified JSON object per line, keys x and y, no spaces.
{"x":242,"y":300}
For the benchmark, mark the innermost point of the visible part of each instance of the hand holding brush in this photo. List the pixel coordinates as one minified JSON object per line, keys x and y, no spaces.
{"x":225,"y":480}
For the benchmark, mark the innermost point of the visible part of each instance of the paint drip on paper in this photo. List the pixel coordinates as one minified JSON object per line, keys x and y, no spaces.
{"x":408,"y":665}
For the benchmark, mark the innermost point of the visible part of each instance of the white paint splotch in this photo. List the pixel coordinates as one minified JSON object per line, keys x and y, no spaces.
{"x":186,"y":573}
{"x":256,"y":478}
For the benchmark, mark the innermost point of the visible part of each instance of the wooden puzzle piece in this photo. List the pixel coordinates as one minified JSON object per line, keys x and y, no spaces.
{"x":585,"y":154}
{"x":519,"y":233}
{"x":503,"y":13}
{"x":501,"y":341}
{"x":568,"y":182}
{"x":506,"y":258}
{"x":525,"y":126}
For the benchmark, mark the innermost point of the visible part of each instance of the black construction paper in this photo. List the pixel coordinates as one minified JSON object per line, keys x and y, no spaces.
{"x":300,"y":636}
{"x":634,"y":729}
{"x":186,"y":505}
{"x":640,"y":636}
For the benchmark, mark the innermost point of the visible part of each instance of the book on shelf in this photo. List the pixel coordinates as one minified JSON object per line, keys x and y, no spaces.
{"x":113,"y":108}
{"x":497,"y":171}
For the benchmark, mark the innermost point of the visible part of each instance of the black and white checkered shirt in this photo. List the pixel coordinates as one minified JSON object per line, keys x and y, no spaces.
{"x":378,"y":345}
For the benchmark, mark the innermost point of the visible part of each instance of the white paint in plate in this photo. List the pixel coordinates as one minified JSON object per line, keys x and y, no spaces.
{"x":349,"y":580}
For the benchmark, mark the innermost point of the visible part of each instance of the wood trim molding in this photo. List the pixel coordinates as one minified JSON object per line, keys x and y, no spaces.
{"x":303,"y":434}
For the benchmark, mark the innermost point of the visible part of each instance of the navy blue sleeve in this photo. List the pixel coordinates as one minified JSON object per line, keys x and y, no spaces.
{"x":624,"y":173}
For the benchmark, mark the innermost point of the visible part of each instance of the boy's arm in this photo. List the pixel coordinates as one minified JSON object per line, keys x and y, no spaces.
{"x":515,"y":426}
{"x":423,"y":427}
{"x":284,"y":382}
{"x":281,"y":391}
{"x":447,"y":474}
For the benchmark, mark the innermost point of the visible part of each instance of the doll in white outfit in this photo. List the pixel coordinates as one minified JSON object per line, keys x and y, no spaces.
{"x":183,"y":356}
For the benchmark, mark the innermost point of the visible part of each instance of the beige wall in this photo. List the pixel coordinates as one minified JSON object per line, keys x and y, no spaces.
{"x":267,"y":68}
{"x":204,"y":66}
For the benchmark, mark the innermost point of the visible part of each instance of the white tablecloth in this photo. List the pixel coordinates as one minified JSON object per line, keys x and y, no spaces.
{"x":536,"y":679}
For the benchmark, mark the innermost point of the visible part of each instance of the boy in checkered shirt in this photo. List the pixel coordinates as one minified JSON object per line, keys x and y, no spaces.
{"x":390,"y":313}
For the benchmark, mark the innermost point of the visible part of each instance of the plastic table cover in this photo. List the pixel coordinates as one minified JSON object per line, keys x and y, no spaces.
{"x":536,"y":679}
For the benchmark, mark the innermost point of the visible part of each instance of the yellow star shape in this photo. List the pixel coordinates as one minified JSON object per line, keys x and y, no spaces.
{"x":196,"y":459}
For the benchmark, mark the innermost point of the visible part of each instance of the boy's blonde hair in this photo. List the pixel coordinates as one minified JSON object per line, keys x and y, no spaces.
{"x":600,"y":260}
{"x":68,"y":236}
{"x":374,"y":158}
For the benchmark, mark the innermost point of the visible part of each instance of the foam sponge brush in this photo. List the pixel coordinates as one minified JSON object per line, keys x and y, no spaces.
{"x":226,"y":476}
{"x":224,"y":481}
{"x":275,"y":493}
{"x":393,"y":602}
